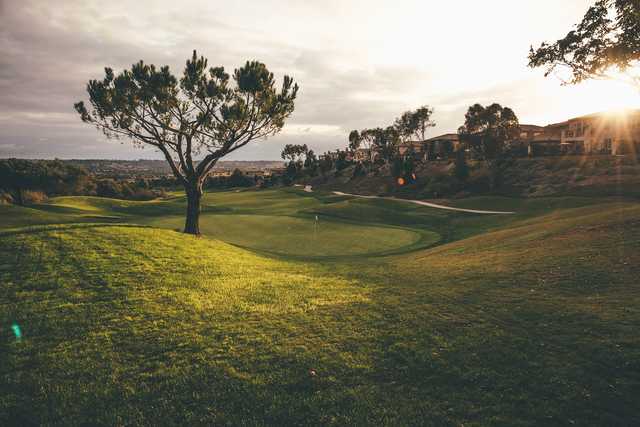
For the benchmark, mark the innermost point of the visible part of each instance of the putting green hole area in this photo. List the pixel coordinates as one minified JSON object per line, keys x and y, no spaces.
{"x":300,"y":236}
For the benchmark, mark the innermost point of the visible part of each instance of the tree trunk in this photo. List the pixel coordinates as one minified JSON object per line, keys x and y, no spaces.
{"x":19,"y":199}
{"x":192,"y":223}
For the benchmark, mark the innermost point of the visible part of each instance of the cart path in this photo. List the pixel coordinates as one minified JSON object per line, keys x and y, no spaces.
{"x":431,"y":205}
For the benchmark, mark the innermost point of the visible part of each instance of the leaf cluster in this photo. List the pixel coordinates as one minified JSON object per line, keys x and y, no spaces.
{"x":607,"y":37}
{"x":486,"y":129}
{"x":207,"y":112}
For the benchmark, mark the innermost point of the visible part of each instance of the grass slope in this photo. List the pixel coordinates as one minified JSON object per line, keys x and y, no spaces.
{"x":531,"y":321}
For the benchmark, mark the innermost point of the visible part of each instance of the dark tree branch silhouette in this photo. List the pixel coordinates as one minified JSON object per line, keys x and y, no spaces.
{"x":413,"y":125}
{"x":607,"y":38}
{"x":363,"y":140}
{"x":207,"y":114}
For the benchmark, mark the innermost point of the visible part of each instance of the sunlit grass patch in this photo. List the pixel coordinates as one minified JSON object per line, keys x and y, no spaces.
{"x":526,"y":320}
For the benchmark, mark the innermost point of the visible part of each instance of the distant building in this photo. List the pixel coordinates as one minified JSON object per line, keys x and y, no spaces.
{"x":536,"y":140}
{"x":547,"y":142}
{"x":603,"y":133}
{"x":258,"y":172}
{"x":363,"y":155}
{"x":276,"y":171}
{"x":529,"y":132}
{"x":439,"y":147}
{"x":599,"y":133}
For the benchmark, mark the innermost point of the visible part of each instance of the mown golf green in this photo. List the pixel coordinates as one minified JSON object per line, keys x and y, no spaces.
{"x":381,"y":312}
{"x":301,"y":236}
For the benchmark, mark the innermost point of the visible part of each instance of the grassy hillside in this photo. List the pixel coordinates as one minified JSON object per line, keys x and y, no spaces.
{"x":595,"y":176}
{"x":528,"y":319}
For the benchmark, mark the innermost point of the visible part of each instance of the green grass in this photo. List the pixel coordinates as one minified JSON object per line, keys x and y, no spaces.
{"x":272,"y":221}
{"x":303,"y":237}
{"x":528,"y":319}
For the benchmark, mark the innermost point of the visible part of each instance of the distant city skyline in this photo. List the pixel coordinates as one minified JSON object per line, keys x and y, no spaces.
{"x":359,"y":64}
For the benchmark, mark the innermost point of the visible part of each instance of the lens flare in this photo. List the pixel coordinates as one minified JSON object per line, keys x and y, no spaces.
{"x":16,"y":331}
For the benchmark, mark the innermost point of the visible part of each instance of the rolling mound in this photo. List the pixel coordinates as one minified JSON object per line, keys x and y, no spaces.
{"x":530,"y":320}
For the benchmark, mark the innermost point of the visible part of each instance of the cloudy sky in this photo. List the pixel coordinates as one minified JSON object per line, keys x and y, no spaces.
{"x":359,"y":63}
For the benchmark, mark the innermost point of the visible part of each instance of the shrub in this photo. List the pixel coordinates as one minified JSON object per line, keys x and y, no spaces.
{"x":460,"y":166}
{"x":5,"y":198}
{"x":30,"y":197}
{"x":359,"y":170}
{"x":397,"y":167}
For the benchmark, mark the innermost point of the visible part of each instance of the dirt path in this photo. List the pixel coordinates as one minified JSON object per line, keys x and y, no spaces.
{"x":431,"y":205}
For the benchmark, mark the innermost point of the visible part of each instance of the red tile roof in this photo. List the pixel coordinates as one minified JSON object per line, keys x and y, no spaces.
{"x":446,"y":137}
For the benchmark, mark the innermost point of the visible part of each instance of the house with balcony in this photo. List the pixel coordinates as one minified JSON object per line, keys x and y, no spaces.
{"x":599,"y":133}
{"x":364,"y":155}
{"x":530,"y":132}
{"x":546,"y":143}
{"x":436,"y":148}
{"x":534,"y":140}
{"x":603,"y":133}
{"x":440,"y":147}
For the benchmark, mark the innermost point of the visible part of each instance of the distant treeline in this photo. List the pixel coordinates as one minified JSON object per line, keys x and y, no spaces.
{"x":124,"y":169}
{"x":236,"y":179}
{"x":32,"y":181}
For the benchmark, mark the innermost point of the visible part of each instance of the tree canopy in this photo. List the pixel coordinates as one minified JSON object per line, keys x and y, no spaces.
{"x":386,"y":142}
{"x":52,"y":177}
{"x":294,"y":152}
{"x":383,"y":142}
{"x":354,"y":140}
{"x":413,"y":125}
{"x":608,"y":37}
{"x":207,"y":114}
{"x":369,"y":140}
{"x":364,"y":139}
{"x":486,"y":129}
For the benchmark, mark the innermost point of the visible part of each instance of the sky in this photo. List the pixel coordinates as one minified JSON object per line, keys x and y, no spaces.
{"x":359,"y":64}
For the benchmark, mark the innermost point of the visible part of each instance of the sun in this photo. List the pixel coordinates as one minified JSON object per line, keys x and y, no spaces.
{"x":588,"y":97}
{"x":613,"y":94}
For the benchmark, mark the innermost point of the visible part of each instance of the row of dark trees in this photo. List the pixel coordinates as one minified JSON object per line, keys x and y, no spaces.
{"x":302,"y":162}
{"x":484,"y":135}
{"x":383,"y":143}
{"x":22,"y":179}
{"x":18,"y":176}
{"x":237,"y":178}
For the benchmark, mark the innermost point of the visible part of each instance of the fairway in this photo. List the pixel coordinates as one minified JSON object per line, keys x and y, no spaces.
{"x":383,"y":313}
{"x":277,"y":222}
